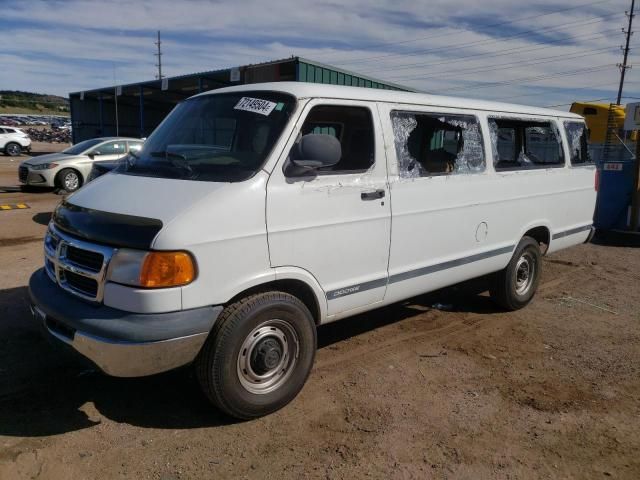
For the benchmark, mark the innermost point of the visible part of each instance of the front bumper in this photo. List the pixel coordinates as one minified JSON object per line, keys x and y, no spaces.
{"x":120,"y":343}
{"x":40,"y":178}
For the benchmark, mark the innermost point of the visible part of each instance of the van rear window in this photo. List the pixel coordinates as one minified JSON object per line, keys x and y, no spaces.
{"x":525,"y":144}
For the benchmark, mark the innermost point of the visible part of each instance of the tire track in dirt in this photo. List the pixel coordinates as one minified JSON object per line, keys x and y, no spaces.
{"x":458,"y":323}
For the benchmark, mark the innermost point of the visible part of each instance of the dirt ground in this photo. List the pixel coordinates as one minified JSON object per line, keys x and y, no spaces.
{"x":409,"y":391}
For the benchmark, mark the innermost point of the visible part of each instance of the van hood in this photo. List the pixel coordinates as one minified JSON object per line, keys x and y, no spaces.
{"x":127,"y":210}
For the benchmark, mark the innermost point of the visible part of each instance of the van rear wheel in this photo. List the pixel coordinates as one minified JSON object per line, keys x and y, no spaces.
{"x":514,"y":287}
{"x":258,"y":355}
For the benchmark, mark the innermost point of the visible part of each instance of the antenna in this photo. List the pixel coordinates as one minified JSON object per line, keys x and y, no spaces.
{"x":159,"y":76}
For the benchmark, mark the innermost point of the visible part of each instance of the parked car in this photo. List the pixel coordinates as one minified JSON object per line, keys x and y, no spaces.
{"x":70,"y":168}
{"x":255,"y":213}
{"x":13,"y":141}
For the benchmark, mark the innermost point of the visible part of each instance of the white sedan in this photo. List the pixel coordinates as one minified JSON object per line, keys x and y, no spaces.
{"x":70,"y":168}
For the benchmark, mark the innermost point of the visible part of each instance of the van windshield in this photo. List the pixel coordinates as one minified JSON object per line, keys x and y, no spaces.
{"x":214,"y":138}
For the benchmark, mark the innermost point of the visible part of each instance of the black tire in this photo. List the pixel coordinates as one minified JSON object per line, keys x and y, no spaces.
{"x":514,"y":287}
{"x":65,"y":182}
{"x":12,"y":149}
{"x":243,"y":337}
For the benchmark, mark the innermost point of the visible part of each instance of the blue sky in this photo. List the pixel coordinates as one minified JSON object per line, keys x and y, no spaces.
{"x":539,"y":52}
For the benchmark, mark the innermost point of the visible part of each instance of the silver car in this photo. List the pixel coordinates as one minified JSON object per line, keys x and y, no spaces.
{"x":70,"y":168}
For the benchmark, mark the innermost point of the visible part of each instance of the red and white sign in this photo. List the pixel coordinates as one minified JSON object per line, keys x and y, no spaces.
{"x":614,"y":167}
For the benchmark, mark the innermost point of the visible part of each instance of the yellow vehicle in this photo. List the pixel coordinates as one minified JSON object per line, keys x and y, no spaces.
{"x":596,"y":115}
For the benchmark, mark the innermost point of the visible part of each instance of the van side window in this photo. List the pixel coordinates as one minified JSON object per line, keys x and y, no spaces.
{"x":577,"y":137}
{"x":353,"y":127}
{"x":525,"y":144}
{"x":430,"y":144}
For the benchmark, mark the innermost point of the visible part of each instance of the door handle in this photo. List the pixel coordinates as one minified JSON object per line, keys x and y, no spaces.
{"x":373,"y":195}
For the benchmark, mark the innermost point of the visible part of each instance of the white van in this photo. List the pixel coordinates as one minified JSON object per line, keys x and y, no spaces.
{"x":255,"y":213}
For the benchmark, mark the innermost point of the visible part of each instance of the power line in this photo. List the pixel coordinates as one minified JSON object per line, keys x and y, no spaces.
{"x":462,"y":46}
{"x":533,"y":79}
{"x":401,"y":42}
{"x":478,"y":42}
{"x":489,"y":68}
{"x":588,"y":101}
{"x":573,"y":89}
{"x":503,"y":52}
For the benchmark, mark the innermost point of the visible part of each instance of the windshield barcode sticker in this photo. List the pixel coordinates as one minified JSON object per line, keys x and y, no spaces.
{"x":255,"y":105}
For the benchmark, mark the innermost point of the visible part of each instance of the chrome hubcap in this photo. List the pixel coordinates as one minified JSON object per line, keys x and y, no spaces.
{"x":268,"y":356}
{"x":525,"y":273}
{"x":71,"y":181}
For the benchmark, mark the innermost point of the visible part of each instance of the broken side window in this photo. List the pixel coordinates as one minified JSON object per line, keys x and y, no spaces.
{"x":525,"y":144}
{"x":435,"y":144}
{"x":578,"y":144}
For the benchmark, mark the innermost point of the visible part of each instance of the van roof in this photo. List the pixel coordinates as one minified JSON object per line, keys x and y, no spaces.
{"x":310,"y":90}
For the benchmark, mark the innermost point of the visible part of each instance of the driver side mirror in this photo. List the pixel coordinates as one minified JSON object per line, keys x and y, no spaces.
{"x":93,"y":154}
{"x":312,"y":152}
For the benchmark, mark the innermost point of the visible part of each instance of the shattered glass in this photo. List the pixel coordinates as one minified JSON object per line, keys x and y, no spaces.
{"x":524,"y":160}
{"x":493,"y":133}
{"x":471,"y":158}
{"x":468,"y":159}
{"x":576,"y":134}
{"x":403,"y":125}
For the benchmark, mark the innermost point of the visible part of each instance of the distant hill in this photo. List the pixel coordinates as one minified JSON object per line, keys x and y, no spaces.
{"x":14,"y":101}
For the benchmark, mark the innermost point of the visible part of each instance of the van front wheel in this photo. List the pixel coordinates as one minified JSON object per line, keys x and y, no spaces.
{"x":258,"y":355}
{"x":514,"y":287}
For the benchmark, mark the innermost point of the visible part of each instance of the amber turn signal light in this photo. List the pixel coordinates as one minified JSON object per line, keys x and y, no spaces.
{"x":167,"y":269}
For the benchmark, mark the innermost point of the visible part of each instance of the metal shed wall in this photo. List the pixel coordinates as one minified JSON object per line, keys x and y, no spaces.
{"x":308,"y":71}
{"x":142,"y":106}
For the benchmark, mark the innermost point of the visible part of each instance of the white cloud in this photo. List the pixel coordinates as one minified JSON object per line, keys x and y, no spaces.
{"x":59,"y":46}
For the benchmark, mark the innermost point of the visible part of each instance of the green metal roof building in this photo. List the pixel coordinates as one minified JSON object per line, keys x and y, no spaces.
{"x":140,"y":107}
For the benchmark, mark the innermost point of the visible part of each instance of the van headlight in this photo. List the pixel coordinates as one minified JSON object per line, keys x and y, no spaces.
{"x":152,"y":269}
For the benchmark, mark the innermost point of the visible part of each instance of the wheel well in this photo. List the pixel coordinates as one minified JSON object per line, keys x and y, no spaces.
{"x":297,"y":288}
{"x":540,"y":235}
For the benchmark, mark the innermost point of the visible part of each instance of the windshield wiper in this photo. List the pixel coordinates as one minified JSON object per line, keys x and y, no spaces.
{"x":177,"y":160}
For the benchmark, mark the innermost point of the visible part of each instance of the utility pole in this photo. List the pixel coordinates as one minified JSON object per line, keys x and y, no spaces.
{"x":159,"y":76}
{"x":115,"y":99}
{"x":623,"y":66}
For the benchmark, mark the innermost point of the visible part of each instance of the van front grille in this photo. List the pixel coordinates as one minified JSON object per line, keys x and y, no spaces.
{"x":85,"y":285}
{"x":85,"y":258}
{"x":76,"y":265}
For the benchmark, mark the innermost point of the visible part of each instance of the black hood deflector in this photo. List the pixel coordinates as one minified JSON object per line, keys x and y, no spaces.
{"x":108,"y":228}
